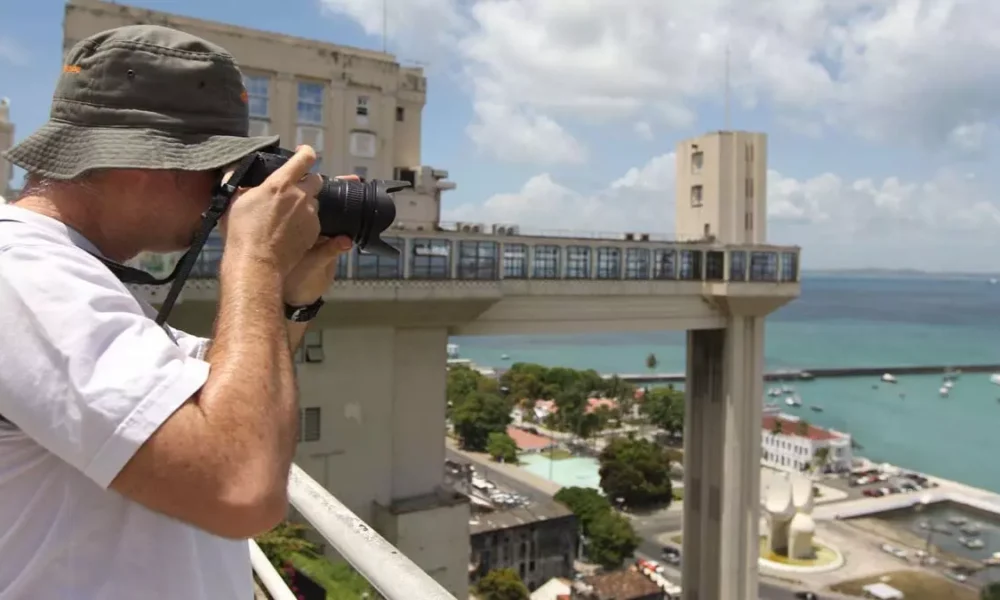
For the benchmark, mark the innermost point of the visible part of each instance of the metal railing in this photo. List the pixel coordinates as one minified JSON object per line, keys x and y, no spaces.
{"x":387,"y":569}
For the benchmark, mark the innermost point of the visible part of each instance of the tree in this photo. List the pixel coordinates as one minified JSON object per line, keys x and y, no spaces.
{"x":586,"y":503}
{"x":501,"y":447}
{"x":463,"y":381}
{"x":610,"y":540}
{"x":778,"y":428}
{"x":822,"y":458}
{"x":990,"y":591}
{"x":284,"y":541}
{"x":479,"y":415}
{"x":664,"y":407}
{"x":502,"y":584}
{"x":637,"y":471}
{"x":651,"y":362}
{"x":802,"y":428}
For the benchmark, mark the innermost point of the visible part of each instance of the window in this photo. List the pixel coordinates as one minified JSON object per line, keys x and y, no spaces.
{"x":311,"y":350}
{"x":637,"y":263}
{"x":715,"y":265}
{"x":696,"y":192}
{"x":515,"y":261}
{"x":309,"y":424}
{"x":373,"y":266}
{"x":258,"y":88}
{"x":737,"y":265}
{"x":697,"y":160}
{"x":362,"y":108}
{"x":763,"y":266}
{"x":361,"y":172}
{"x":609,"y":263}
{"x":431,"y":259}
{"x":310,"y":107}
{"x":400,"y":114}
{"x":546,"y":262}
{"x":749,"y":188}
{"x":363,"y":144}
{"x":477,"y":260}
{"x":748,"y":221}
{"x":690,"y":265}
{"x":789,"y":266}
{"x":578,"y":262}
{"x":665,"y":264}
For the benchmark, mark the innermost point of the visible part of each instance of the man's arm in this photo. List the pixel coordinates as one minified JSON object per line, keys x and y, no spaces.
{"x":296,"y":332}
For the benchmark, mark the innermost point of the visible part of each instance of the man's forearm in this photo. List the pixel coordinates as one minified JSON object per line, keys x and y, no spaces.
{"x":296,"y":332}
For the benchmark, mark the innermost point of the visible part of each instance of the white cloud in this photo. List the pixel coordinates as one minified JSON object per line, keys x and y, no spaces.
{"x":12,"y":52}
{"x":516,"y":135}
{"x":643,"y":129}
{"x":910,"y":70}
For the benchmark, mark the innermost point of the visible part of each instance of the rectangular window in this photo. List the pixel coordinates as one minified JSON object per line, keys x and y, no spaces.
{"x":690,"y":265}
{"x":715,"y":265}
{"x":477,"y":260}
{"x":578,"y":262}
{"x":361,"y":172}
{"x":431,"y":259}
{"x":400,"y":114}
{"x":696,"y":193}
{"x":362,"y":108}
{"x":697,"y":161}
{"x":763,"y":266}
{"x":515,"y":261}
{"x":665,"y":264}
{"x":258,"y":93}
{"x":310,"y":105}
{"x":737,"y":265}
{"x":373,"y":266}
{"x":637,"y":263}
{"x":545,"y":263}
{"x":789,"y":266}
{"x":609,"y":263}
{"x":309,"y":424}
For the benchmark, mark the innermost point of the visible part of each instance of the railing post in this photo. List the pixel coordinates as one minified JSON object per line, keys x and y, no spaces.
{"x":269,"y":576}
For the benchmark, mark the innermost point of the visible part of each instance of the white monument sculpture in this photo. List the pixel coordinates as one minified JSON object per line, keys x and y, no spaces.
{"x":789,"y":505}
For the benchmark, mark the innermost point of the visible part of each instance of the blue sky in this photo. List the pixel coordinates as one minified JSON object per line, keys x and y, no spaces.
{"x":881,"y":114}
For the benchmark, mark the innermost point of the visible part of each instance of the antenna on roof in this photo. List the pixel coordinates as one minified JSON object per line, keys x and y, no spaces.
{"x":727,"y":100}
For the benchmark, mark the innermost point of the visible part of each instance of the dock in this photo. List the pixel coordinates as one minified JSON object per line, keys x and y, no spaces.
{"x":826,"y":373}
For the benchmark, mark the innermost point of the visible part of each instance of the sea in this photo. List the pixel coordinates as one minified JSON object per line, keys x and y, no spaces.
{"x":845,"y":321}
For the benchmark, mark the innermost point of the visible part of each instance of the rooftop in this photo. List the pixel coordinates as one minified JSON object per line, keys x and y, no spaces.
{"x":622,"y":585}
{"x":526,"y":440}
{"x":543,"y":509}
{"x":791,"y":426}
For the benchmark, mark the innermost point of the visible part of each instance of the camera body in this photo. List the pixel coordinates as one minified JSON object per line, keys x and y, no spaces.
{"x":360,"y":210}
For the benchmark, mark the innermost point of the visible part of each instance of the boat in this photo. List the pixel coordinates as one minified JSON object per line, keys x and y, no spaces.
{"x":504,"y":357}
{"x":972,"y":543}
{"x":944,"y":391}
{"x":888,"y":378}
{"x":452,"y":350}
{"x":958,"y":520}
{"x":793,"y":401}
{"x":995,"y":378}
{"x":806,"y":376}
{"x":816,"y":408}
{"x":949,"y":383}
{"x":971,"y":529}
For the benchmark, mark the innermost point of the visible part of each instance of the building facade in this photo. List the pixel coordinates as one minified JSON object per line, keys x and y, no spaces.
{"x":6,"y":141}
{"x":790,"y":443}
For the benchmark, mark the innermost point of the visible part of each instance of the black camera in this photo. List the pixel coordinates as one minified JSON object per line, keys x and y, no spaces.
{"x":360,"y":210}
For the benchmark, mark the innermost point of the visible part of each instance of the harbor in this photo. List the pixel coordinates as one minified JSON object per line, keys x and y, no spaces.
{"x":825,"y":373}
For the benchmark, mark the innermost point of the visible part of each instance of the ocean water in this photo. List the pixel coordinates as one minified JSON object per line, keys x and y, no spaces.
{"x":846,"y":321}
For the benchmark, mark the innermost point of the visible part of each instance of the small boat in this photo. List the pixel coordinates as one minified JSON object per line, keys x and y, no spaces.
{"x":958,"y":520}
{"x":816,"y":408}
{"x":971,"y":529}
{"x":944,"y":391}
{"x":972,"y":543}
{"x":793,"y":401}
{"x":888,"y":378}
{"x":995,"y":379}
{"x":806,"y":376}
{"x":504,"y":357}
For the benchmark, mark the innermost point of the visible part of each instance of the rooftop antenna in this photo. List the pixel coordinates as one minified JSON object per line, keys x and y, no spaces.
{"x":727,"y":93}
{"x":385,"y":26}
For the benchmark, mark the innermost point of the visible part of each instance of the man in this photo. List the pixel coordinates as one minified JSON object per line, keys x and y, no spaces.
{"x":136,"y":460}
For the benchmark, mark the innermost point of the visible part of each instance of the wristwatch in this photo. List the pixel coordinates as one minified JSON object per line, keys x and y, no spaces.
{"x":303,"y":314}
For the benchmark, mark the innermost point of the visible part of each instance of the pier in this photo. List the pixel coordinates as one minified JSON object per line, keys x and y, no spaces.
{"x":825,"y":373}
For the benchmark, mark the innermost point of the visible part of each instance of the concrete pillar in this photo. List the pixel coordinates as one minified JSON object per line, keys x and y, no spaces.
{"x":723,"y":405}
{"x":381,"y":392}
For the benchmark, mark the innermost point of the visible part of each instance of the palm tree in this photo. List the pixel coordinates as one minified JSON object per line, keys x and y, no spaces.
{"x":651,"y":362}
{"x":777,"y":428}
{"x":802,"y":428}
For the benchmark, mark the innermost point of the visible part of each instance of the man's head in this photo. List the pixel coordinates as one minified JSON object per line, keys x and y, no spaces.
{"x":142,"y":120}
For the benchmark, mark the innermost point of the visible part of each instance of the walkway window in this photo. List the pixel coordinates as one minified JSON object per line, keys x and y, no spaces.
{"x":374,"y":266}
{"x":609,"y":263}
{"x":737,"y":265}
{"x":637,"y":263}
{"x":477,"y":260}
{"x":763,"y":266}
{"x":545,"y":264}
{"x":207,"y":265}
{"x":431,"y":259}
{"x":665,"y":264}
{"x":515,"y":261}
{"x":578,"y":262}
{"x":789,"y":266}
{"x":715,"y":265}
{"x":310,"y":424}
{"x":691,"y":265}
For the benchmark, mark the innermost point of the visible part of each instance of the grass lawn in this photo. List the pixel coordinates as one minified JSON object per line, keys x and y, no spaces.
{"x":341,"y":581}
{"x":678,"y":494}
{"x":915,"y":585}
{"x":678,"y":539}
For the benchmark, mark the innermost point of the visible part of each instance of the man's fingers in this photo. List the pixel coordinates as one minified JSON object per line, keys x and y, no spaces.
{"x":297,"y":166}
{"x":311,"y":184}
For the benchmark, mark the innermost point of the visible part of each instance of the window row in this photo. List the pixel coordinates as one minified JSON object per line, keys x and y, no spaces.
{"x":309,"y":104}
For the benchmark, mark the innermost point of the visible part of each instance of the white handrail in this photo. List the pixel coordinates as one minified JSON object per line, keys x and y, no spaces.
{"x":394,"y":575}
{"x":268,"y":575}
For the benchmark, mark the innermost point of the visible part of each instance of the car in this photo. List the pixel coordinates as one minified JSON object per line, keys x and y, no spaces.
{"x":806,"y":596}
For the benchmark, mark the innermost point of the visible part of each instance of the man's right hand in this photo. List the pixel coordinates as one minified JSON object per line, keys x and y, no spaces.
{"x":277,"y":221}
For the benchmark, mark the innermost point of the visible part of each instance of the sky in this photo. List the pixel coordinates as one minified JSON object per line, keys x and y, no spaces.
{"x":882,"y":115}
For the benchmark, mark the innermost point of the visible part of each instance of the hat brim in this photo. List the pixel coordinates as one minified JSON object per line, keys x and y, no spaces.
{"x":62,"y":151}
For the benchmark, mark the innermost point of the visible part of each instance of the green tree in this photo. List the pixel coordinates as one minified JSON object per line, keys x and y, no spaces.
{"x":525,"y":382}
{"x":802,"y":428}
{"x":463,"y":381}
{"x":611,"y":540}
{"x":586,"y":503}
{"x":284,"y":541}
{"x":821,"y":458}
{"x":637,"y":471}
{"x":501,"y":447}
{"x":651,"y":362}
{"x":479,"y":415}
{"x":502,"y":584}
{"x":778,"y":428}
{"x":664,"y":407}
{"x":990,"y":591}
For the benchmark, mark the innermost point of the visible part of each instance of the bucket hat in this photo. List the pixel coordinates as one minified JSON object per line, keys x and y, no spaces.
{"x":142,"y":97}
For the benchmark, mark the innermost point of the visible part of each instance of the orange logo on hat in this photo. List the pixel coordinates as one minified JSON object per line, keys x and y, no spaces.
{"x":244,"y":96}
{"x":71,"y":68}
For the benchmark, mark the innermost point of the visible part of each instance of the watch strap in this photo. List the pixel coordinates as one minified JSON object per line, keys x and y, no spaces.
{"x":303,"y":314}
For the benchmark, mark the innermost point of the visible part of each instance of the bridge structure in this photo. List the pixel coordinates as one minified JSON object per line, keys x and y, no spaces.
{"x":372,"y":370}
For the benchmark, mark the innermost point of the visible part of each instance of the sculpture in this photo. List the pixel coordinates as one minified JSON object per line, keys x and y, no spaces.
{"x":789,"y":506}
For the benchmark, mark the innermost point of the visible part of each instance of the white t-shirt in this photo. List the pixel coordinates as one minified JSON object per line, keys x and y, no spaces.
{"x":86,"y":376}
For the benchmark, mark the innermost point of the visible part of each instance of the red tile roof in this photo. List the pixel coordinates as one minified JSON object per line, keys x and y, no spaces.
{"x":791,"y":427}
{"x":626,"y":584}
{"x":527,"y":441}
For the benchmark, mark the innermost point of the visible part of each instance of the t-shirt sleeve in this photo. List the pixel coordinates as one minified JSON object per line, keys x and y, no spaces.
{"x":84,"y":372}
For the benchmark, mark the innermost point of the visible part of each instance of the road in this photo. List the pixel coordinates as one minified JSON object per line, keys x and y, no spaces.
{"x":648,"y":528}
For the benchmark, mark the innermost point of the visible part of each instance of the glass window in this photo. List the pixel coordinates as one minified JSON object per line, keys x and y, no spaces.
{"x":665,"y":264}
{"x":258,"y":92}
{"x":310,"y":105}
{"x":715,"y":265}
{"x":789,"y":266}
{"x":477,"y":260}
{"x":737,"y":265}
{"x":763,"y":266}
{"x":578,"y":262}
{"x":690,"y":265}
{"x":546,"y":262}
{"x":431,"y":259}
{"x":515,"y":261}
{"x":400,"y":114}
{"x":342,"y":261}
{"x":609,"y":263}
{"x":374,"y":266}
{"x":637,"y":263}
{"x":309,"y":424}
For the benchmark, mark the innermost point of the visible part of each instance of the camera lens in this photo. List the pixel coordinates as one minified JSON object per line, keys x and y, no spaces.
{"x":359,"y":210}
